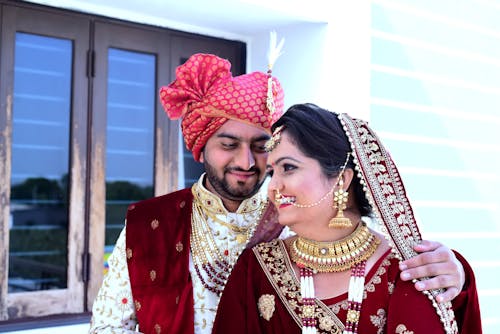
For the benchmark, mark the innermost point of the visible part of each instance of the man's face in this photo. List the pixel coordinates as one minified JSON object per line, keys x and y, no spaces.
{"x":235,"y":160}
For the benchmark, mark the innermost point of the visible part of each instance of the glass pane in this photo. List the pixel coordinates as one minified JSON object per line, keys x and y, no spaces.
{"x":130,"y":135}
{"x":40,"y":161}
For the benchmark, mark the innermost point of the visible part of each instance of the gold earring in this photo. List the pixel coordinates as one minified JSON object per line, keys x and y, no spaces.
{"x":340,"y":203}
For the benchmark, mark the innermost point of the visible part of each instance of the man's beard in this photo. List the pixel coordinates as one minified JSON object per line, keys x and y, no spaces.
{"x":222,"y":187}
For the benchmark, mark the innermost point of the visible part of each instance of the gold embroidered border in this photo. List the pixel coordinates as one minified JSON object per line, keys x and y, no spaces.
{"x":385,"y":192}
{"x":274,"y":261}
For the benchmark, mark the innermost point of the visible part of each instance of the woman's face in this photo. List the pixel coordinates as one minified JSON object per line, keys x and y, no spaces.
{"x":299,"y":180}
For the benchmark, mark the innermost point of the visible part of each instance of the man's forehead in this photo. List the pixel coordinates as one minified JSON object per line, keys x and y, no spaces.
{"x":241,"y":131}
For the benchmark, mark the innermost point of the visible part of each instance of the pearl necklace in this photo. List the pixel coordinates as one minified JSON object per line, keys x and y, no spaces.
{"x":213,"y":265}
{"x":354,"y":299}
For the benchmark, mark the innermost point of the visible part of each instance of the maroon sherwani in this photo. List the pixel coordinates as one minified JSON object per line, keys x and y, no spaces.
{"x":263,"y":296}
{"x":158,"y":245}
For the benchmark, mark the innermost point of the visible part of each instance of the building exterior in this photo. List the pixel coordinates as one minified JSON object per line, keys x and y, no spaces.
{"x":78,"y":105}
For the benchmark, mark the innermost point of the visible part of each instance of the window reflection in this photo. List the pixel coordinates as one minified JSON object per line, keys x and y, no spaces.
{"x":130,"y":135}
{"x":40,"y":158}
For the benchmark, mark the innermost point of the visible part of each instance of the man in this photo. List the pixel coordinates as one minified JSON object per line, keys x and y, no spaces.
{"x":171,"y":263}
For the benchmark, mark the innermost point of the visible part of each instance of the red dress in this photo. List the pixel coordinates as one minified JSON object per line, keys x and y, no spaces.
{"x":263,"y":296}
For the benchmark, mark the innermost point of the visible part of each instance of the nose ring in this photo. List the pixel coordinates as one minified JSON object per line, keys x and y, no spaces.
{"x":277,"y":195}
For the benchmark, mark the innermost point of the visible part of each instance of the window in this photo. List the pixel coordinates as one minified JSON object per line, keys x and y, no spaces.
{"x":83,"y":136}
{"x":40,"y":160}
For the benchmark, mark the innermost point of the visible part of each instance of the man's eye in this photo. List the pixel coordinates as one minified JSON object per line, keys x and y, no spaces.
{"x":228,"y":145}
{"x":270,"y":172}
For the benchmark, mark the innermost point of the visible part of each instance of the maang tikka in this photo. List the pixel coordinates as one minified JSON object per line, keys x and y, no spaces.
{"x":340,"y":197}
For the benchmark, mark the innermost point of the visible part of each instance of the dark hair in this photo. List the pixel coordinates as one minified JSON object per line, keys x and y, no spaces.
{"x":319,"y":134}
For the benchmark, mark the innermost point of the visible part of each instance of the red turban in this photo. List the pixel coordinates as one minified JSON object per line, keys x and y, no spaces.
{"x":205,"y":95}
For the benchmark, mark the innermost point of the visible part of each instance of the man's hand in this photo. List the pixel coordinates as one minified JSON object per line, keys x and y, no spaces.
{"x":439,"y":263}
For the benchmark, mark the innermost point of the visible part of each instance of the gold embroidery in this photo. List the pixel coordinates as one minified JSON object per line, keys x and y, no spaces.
{"x":401,"y":329}
{"x":276,"y":264}
{"x":129,"y":253}
{"x":326,"y":323}
{"x":266,"y":306}
{"x":152,"y":275}
{"x":137,"y":305}
{"x":179,"y":247}
{"x":379,"y":320}
{"x":154,"y":224}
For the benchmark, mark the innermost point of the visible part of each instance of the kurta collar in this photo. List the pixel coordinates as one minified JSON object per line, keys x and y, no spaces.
{"x":213,"y":202}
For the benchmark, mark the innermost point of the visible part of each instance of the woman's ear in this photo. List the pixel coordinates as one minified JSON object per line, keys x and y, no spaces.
{"x":347,"y":177}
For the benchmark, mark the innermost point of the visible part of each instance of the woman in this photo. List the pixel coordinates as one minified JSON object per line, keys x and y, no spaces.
{"x":336,"y":275}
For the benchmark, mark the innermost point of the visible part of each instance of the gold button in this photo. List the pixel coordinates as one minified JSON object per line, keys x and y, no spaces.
{"x":157,"y":329}
{"x":129,"y":253}
{"x":182,"y":204}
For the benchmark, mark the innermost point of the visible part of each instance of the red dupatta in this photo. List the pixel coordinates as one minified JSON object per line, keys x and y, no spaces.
{"x":385,"y":191}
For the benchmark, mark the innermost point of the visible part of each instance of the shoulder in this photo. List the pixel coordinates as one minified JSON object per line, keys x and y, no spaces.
{"x":172,"y":199}
{"x":166,"y":212}
{"x":162,"y":205}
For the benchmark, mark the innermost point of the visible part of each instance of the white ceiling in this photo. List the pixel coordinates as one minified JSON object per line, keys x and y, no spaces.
{"x":221,"y":17}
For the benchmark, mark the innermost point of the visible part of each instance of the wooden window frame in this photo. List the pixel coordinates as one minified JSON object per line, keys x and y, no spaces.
{"x":91,"y":36}
{"x":34,"y":304}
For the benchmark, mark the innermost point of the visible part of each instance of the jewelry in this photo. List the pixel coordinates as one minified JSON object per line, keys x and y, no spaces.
{"x":354,"y":299}
{"x":275,"y":139}
{"x":213,"y":265}
{"x":239,"y":230}
{"x":336,"y":256}
{"x":206,"y":255}
{"x":279,"y":199}
{"x":308,"y":303}
{"x":340,"y":201}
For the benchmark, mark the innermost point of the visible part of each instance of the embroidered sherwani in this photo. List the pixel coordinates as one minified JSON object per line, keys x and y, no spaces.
{"x":263,"y":296}
{"x":153,"y":283}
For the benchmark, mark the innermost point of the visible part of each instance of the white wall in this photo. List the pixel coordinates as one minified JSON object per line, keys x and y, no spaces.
{"x":326,"y":64}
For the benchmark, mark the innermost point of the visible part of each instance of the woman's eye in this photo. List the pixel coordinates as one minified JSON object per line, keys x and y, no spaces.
{"x":288,"y":167}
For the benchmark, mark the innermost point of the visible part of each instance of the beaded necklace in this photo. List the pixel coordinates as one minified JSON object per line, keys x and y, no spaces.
{"x":348,"y":253}
{"x":213,"y":265}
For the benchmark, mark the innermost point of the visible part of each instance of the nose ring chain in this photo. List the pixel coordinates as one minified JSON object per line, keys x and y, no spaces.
{"x":278,"y":198}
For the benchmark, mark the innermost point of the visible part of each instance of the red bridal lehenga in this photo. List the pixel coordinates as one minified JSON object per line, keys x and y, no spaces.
{"x":263,"y":294}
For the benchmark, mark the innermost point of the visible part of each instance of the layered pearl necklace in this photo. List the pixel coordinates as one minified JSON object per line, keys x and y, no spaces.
{"x":348,"y":253}
{"x":214,"y":263}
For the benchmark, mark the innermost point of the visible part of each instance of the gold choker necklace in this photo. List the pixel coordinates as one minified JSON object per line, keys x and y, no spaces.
{"x":335,"y":256}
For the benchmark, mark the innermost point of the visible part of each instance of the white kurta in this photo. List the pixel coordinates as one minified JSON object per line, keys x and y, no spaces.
{"x":113,"y":310}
